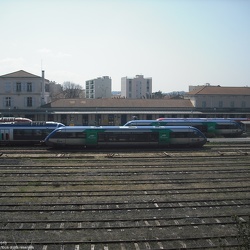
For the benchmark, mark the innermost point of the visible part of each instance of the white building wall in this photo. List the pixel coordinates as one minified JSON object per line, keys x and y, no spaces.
{"x":30,"y":88}
{"x":136,"y":88}
{"x":124,"y":87}
{"x":99,"y":88}
{"x":220,"y":101}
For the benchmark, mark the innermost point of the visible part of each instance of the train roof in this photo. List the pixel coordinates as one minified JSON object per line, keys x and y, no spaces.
{"x":31,"y":124}
{"x":21,"y":119}
{"x":199,"y":119}
{"x":124,"y":127}
{"x":183,"y":120}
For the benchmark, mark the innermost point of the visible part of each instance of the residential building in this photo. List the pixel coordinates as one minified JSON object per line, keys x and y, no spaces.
{"x":23,"y":90}
{"x":136,"y":88}
{"x":98,"y":88}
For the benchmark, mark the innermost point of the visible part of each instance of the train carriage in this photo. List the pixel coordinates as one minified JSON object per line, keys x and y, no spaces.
{"x":125,"y":136}
{"x":210,"y":127}
{"x":26,"y":133}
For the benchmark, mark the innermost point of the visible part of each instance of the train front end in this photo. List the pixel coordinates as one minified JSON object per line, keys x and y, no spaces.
{"x":52,"y":139}
{"x":198,"y":139}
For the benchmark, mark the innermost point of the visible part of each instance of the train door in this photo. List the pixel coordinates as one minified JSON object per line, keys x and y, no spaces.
{"x":5,"y":135}
{"x":163,"y":137}
{"x":211,"y":128}
{"x":91,"y":137}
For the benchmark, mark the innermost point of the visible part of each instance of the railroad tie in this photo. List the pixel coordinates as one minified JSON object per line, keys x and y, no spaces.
{"x":243,"y":153}
{"x":111,"y":155}
{"x":60,"y":155}
{"x":166,"y":154}
{"x":220,"y":153}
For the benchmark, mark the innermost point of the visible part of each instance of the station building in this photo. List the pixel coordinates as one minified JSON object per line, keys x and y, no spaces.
{"x":202,"y":101}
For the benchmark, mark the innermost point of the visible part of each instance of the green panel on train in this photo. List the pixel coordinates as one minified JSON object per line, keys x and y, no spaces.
{"x":211,"y":127}
{"x":91,"y":136}
{"x":164,"y":136}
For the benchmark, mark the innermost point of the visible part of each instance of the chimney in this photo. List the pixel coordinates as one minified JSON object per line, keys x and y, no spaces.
{"x":43,"y":89}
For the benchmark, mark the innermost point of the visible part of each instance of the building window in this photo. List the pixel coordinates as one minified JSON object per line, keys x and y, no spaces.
{"x":220,"y":104}
{"x":7,"y":87}
{"x":130,"y":86}
{"x":29,"y":101}
{"x":147,"y":85}
{"x":18,"y":87}
{"x":232,"y":104}
{"x":29,"y":87}
{"x":243,"y":104}
{"x":46,"y":87}
{"x":204,"y":104}
{"x":7,"y":101}
{"x":111,"y":119}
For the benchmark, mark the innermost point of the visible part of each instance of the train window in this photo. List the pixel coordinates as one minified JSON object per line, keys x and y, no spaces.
{"x":7,"y":136}
{"x":180,"y":135}
{"x":226,"y":126}
{"x":60,"y":134}
{"x":141,"y":124}
{"x":202,"y":128}
{"x":80,"y":135}
{"x":18,"y":134}
{"x":128,"y":137}
{"x":194,"y":134}
{"x":70,"y":135}
{"x":28,"y":134}
{"x":38,"y":132}
{"x":174,"y":135}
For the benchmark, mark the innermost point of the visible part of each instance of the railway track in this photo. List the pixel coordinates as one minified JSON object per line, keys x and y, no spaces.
{"x":150,"y":199}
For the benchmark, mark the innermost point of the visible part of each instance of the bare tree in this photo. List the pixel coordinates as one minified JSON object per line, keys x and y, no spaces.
{"x":157,"y":95}
{"x":72,"y":90}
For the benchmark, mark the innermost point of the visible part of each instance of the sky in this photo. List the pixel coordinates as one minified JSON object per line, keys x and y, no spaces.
{"x":175,"y":42}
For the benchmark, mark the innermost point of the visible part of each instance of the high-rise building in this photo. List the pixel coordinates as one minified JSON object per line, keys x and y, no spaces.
{"x":136,"y":88}
{"x":98,"y":88}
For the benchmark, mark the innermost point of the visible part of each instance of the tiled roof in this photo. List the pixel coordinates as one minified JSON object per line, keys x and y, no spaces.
{"x":120,"y":103}
{"x":218,"y":90}
{"x":20,"y":73}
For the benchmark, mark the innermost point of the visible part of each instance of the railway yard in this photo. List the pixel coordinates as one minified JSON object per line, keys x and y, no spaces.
{"x":125,"y":199}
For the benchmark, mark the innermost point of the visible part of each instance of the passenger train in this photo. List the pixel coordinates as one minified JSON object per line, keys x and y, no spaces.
{"x":106,"y":136}
{"x":210,"y":127}
{"x":25,"y":133}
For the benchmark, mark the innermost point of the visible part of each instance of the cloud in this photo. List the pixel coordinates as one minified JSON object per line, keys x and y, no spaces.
{"x":62,"y":55}
{"x":50,"y":53}
{"x":44,"y":51}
